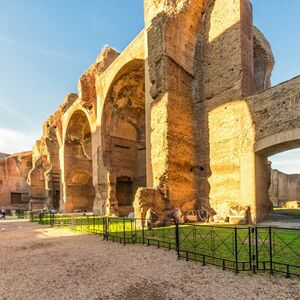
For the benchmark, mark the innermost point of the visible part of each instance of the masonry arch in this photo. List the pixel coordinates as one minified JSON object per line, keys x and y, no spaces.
{"x":78,"y":171}
{"x":123,"y":137}
{"x":265,"y":147}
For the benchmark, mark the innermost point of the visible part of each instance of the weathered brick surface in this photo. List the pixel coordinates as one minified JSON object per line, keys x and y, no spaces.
{"x":284,"y":188}
{"x":183,"y":118}
{"x":13,"y":175}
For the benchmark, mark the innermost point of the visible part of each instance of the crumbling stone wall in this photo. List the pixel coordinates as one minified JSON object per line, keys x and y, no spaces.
{"x":3,"y":155}
{"x":131,"y":59}
{"x":263,"y":61}
{"x":224,"y":64}
{"x":14,"y":191}
{"x":197,"y":78}
{"x":44,"y":177}
{"x":87,"y":82}
{"x":171,"y":69}
{"x":80,"y":140}
{"x":183,"y":118}
{"x":123,"y":140}
{"x":276,"y":115}
{"x":242,"y":134}
{"x":78,"y":164}
{"x":284,"y":188}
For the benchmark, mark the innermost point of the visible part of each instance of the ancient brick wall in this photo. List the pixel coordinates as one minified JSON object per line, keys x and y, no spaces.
{"x":224,"y":73}
{"x":284,"y":187}
{"x":44,"y":177}
{"x":171,"y":55}
{"x":171,"y":119}
{"x":276,"y":115}
{"x":14,"y":191}
{"x":123,"y":138}
{"x":263,"y":61}
{"x":242,"y":134}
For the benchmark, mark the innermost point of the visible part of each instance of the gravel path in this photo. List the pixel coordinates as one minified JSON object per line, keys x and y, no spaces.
{"x":38,"y":262}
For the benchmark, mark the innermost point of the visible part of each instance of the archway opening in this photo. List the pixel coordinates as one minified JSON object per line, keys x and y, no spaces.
{"x":284,"y":191}
{"x":79,"y":189}
{"x":277,"y":169}
{"x":123,"y":138}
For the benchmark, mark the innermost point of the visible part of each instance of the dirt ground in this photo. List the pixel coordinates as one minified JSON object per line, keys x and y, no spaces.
{"x":38,"y":262}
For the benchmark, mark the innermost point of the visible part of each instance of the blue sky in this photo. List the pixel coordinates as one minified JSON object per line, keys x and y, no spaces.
{"x":45,"y":45}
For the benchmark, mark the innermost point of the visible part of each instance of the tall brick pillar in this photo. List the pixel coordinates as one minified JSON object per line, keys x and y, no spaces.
{"x":200,"y":54}
{"x":171,"y":28}
{"x":223,"y":73}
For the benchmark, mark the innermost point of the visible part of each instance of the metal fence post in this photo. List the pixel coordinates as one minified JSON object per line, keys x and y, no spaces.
{"x":236,"y":250}
{"x":253,"y":250}
{"x":132,"y":234}
{"x":271,"y":250}
{"x":103,"y":228}
{"x":124,"y":232}
{"x":288,"y":275}
{"x":256,"y":249}
{"x":177,"y":239}
{"x":250,"y":248}
{"x":135,"y":231}
{"x":143,"y":231}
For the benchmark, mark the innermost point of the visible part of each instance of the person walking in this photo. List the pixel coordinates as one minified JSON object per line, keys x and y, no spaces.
{"x":3,"y":211}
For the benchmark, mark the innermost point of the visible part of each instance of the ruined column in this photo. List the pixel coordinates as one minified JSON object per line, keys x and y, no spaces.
{"x":170,"y":61}
{"x":223,"y":73}
{"x":200,"y":55}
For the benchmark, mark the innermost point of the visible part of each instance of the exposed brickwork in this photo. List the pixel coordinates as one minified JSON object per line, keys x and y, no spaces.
{"x":172,"y":122}
{"x":284,"y":188}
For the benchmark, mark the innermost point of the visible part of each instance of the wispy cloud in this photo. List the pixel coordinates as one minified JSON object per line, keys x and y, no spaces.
{"x":15,"y":113}
{"x":46,"y":52}
{"x":13,"y":141}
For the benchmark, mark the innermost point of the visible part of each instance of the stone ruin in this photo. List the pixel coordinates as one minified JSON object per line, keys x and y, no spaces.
{"x":14,"y":190}
{"x":184,"y":118}
{"x":284,"y":190}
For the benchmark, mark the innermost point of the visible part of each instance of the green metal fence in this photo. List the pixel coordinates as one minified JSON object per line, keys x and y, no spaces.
{"x":253,"y":249}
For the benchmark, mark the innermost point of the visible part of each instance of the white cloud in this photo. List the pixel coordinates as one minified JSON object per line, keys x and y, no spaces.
{"x":15,"y":113}
{"x":13,"y":141}
{"x":287,"y":162}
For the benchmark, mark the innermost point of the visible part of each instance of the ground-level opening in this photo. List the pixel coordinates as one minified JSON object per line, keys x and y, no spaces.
{"x":284,"y":191}
{"x":16,"y":198}
{"x":19,"y":200}
{"x":277,"y":157}
{"x":124,"y":194}
{"x":56,"y":200}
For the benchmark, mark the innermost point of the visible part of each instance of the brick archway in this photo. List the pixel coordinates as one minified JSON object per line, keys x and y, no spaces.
{"x":79,"y":189}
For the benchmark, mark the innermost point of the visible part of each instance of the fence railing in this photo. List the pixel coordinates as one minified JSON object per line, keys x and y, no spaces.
{"x":251,"y":248}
